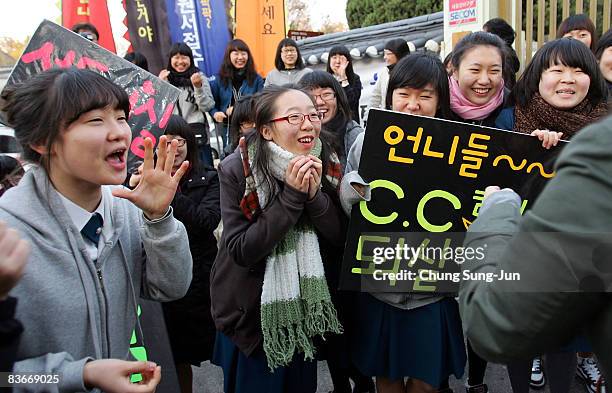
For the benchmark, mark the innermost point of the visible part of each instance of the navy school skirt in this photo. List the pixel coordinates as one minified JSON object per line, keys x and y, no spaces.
{"x":425,"y":343}
{"x":242,"y":374}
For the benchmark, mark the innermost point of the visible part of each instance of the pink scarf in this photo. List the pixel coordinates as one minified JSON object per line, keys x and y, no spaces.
{"x":466,"y":109}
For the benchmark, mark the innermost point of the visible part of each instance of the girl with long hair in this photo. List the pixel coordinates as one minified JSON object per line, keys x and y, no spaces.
{"x":270,"y":298}
{"x":340,"y":65}
{"x":237,"y":78}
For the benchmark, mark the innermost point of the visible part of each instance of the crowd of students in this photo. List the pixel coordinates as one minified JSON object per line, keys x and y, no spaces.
{"x":262,"y":302}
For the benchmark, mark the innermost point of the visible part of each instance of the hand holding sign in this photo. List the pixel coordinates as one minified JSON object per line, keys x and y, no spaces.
{"x":157,"y":185}
{"x":548,"y":138}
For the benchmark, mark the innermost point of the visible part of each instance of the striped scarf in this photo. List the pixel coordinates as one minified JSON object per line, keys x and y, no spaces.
{"x":295,"y":301}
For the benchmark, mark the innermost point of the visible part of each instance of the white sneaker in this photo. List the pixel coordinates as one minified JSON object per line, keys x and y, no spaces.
{"x":537,"y":374}
{"x":588,"y":371}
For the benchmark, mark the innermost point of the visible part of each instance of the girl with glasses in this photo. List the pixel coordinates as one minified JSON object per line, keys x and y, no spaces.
{"x":333,"y":105}
{"x":289,"y":65}
{"x":270,"y":297}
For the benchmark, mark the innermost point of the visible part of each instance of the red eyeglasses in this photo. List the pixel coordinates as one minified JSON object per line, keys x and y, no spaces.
{"x":298,"y":118}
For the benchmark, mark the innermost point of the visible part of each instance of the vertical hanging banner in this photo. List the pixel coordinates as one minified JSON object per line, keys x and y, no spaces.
{"x":90,"y":11}
{"x":214,"y":32}
{"x":148,"y":28}
{"x":201,"y":24}
{"x":261,"y":24}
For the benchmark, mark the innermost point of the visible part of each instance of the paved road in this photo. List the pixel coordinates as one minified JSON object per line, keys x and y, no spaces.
{"x":209,"y":379}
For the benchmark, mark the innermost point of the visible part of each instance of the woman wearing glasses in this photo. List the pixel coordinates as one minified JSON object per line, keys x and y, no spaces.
{"x":333,"y":105}
{"x":196,"y":204}
{"x":289,"y":65}
{"x":270,"y":298}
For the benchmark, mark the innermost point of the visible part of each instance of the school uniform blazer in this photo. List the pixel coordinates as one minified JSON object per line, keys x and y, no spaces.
{"x":504,"y":324}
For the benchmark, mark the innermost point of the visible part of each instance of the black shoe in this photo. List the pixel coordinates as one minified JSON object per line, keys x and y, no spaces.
{"x":364,"y":385}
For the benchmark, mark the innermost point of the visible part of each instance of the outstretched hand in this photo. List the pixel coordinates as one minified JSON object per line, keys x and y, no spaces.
{"x":157,"y":185}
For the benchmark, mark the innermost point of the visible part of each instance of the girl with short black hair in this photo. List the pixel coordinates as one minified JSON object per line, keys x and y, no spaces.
{"x":418,"y":85}
{"x":579,"y":27}
{"x":95,"y":248}
{"x":289,"y":65}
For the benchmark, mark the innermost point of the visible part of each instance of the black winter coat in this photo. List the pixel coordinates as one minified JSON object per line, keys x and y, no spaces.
{"x":353,"y":94}
{"x":196,"y":205}
{"x":190,"y":326}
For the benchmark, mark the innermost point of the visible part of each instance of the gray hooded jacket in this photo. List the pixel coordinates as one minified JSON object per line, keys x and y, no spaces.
{"x":350,"y":197}
{"x":73,"y":309}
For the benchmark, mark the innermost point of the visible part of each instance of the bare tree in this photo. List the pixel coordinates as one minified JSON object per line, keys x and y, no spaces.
{"x":298,"y":15}
{"x":13,"y":47}
{"x":329,"y":26}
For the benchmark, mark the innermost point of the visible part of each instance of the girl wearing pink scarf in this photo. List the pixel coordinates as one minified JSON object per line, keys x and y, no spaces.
{"x":476,"y":96}
{"x":477,"y":84}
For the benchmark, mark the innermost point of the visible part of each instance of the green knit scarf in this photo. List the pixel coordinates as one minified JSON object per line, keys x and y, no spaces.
{"x":295,"y":300}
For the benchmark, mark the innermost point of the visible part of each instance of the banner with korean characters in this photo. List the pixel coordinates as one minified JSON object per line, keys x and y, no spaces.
{"x":147,"y":23}
{"x":151,"y":99}
{"x":427,"y":179}
{"x":261,"y":24}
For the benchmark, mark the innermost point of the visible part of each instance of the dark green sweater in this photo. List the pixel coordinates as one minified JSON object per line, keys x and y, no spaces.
{"x":566,"y":237}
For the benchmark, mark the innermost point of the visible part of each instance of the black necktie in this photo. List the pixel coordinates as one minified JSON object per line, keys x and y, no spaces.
{"x":93,"y":228}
